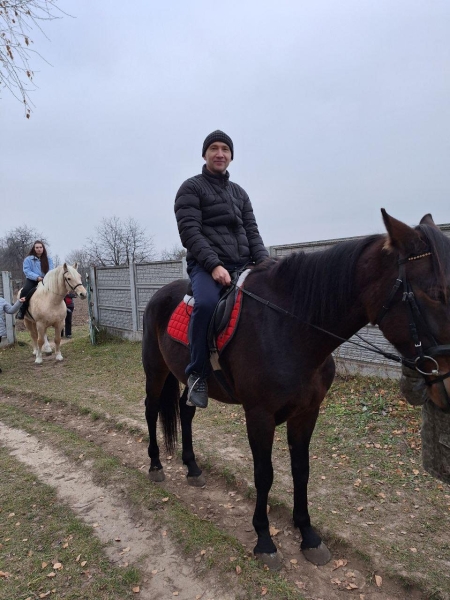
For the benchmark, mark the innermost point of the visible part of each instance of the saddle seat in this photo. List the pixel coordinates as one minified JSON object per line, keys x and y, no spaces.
{"x":223,"y":322}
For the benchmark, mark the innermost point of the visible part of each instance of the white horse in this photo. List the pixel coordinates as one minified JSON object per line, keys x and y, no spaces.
{"x":48,"y":309}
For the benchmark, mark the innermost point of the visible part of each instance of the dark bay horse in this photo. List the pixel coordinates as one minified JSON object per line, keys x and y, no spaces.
{"x":279,"y":366}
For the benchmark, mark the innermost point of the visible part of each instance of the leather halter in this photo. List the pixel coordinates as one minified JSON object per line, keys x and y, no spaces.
{"x":68,"y":282}
{"x":416,"y":319}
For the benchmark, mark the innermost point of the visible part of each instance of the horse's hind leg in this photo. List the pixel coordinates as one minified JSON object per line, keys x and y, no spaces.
{"x":46,"y":348}
{"x":194,"y":474}
{"x":31,"y":326}
{"x":161,"y":385}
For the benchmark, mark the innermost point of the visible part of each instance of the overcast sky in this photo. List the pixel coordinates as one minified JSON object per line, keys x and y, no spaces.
{"x":336,"y":109}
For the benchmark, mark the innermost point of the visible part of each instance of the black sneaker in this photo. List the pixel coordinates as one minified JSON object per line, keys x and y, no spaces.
{"x":197,"y":391}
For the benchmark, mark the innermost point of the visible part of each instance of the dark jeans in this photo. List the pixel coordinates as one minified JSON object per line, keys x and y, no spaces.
{"x":68,"y":323}
{"x":206,"y":294}
{"x":27,"y":287}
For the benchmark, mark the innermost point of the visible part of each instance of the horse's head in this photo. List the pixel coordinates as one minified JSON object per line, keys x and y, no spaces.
{"x":415,"y":316}
{"x":73,"y":282}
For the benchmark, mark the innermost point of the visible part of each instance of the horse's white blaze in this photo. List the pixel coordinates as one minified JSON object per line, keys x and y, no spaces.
{"x":48,"y":309}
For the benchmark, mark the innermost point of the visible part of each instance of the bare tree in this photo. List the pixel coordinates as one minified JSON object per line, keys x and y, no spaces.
{"x":15,"y":246}
{"x":17,"y":19}
{"x":81,"y":258}
{"x":177,"y":252}
{"x":119,"y":242}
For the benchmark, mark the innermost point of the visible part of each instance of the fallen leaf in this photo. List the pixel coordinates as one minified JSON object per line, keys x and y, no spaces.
{"x":66,"y":545}
{"x":238,"y":569}
{"x":44,"y":594}
{"x":78,"y":558}
{"x":5,"y":574}
{"x":95,"y":525}
{"x":165,"y":499}
{"x":293,"y":561}
{"x":273,"y":530}
{"x":124,"y":550}
{"x":263,"y":591}
{"x":413,"y":549}
{"x":83,"y":563}
{"x":44,"y":564}
{"x":339,"y":563}
{"x":136,"y":589}
{"x":203,"y":552}
{"x":360,"y":508}
{"x":300,"y":584}
{"x":57,"y":566}
{"x":175,"y":593}
{"x":378,"y":580}
{"x":52,"y":574}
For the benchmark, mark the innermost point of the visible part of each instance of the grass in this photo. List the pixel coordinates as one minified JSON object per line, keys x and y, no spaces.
{"x":38,"y":532}
{"x":192,"y":534}
{"x":366,"y":476}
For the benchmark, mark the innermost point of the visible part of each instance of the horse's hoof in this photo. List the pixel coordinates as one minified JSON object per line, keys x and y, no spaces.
{"x":318,"y":556}
{"x":38,"y":361}
{"x":156,"y":476}
{"x":273,"y":561}
{"x":196,"y":481}
{"x":59,"y":357}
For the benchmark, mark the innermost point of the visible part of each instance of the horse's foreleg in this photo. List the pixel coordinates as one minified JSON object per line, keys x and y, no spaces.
{"x":58,"y":330}
{"x":260,"y":429}
{"x":194,"y":474}
{"x":299,"y":430}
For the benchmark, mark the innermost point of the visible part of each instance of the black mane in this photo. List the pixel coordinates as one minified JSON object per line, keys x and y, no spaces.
{"x":312,"y":279}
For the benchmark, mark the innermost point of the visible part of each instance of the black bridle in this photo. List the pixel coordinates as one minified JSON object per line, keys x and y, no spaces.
{"x":416,"y":320}
{"x":68,"y":282}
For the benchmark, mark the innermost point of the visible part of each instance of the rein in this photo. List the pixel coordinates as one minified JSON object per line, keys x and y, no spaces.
{"x":414,"y":314}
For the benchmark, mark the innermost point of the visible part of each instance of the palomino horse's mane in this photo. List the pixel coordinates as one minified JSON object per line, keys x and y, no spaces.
{"x":322,"y":284}
{"x":53,"y":281}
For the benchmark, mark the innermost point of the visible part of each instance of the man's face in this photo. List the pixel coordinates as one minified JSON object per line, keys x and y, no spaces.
{"x":218,"y":157}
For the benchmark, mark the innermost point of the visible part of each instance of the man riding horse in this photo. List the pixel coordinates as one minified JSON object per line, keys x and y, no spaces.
{"x":218,"y":228}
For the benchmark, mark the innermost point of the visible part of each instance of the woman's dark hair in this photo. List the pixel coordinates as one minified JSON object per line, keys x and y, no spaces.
{"x":43,"y":257}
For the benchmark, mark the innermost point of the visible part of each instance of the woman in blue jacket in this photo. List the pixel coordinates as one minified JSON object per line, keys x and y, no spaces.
{"x":35,"y":266}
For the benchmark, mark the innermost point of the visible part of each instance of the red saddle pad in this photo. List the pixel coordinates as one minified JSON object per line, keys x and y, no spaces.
{"x":179,"y":323}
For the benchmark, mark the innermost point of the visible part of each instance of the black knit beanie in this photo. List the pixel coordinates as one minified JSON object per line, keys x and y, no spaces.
{"x":217,"y":136}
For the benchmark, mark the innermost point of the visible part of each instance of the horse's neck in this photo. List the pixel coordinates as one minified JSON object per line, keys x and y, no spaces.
{"x":54,"y":289}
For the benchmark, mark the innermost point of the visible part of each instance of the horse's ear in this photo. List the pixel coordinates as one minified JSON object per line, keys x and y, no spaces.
{"x":65,"y":266}
{"x":428,"y":220}
{"x":401,"y":236}
{"x":75,"y":266}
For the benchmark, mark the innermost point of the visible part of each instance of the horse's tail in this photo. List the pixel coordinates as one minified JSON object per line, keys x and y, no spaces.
{"x":169,"y":411}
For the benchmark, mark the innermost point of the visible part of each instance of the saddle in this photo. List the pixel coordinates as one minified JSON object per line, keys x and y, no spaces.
{"x":223,"y":322}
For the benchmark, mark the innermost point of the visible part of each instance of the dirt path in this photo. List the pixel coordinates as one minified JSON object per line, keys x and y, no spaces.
{"x":128,"y":541}
{"x":345,"y":577}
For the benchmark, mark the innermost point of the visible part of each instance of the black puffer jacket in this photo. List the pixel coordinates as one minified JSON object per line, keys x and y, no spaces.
{"x":216,"y":222}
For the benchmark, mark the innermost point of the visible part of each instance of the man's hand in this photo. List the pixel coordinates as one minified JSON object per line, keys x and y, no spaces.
{"x":39,"y":279}
{"x":221,"y":275}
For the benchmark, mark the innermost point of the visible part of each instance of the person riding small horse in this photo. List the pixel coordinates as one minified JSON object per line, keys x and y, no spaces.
{"x":35,"y":266}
